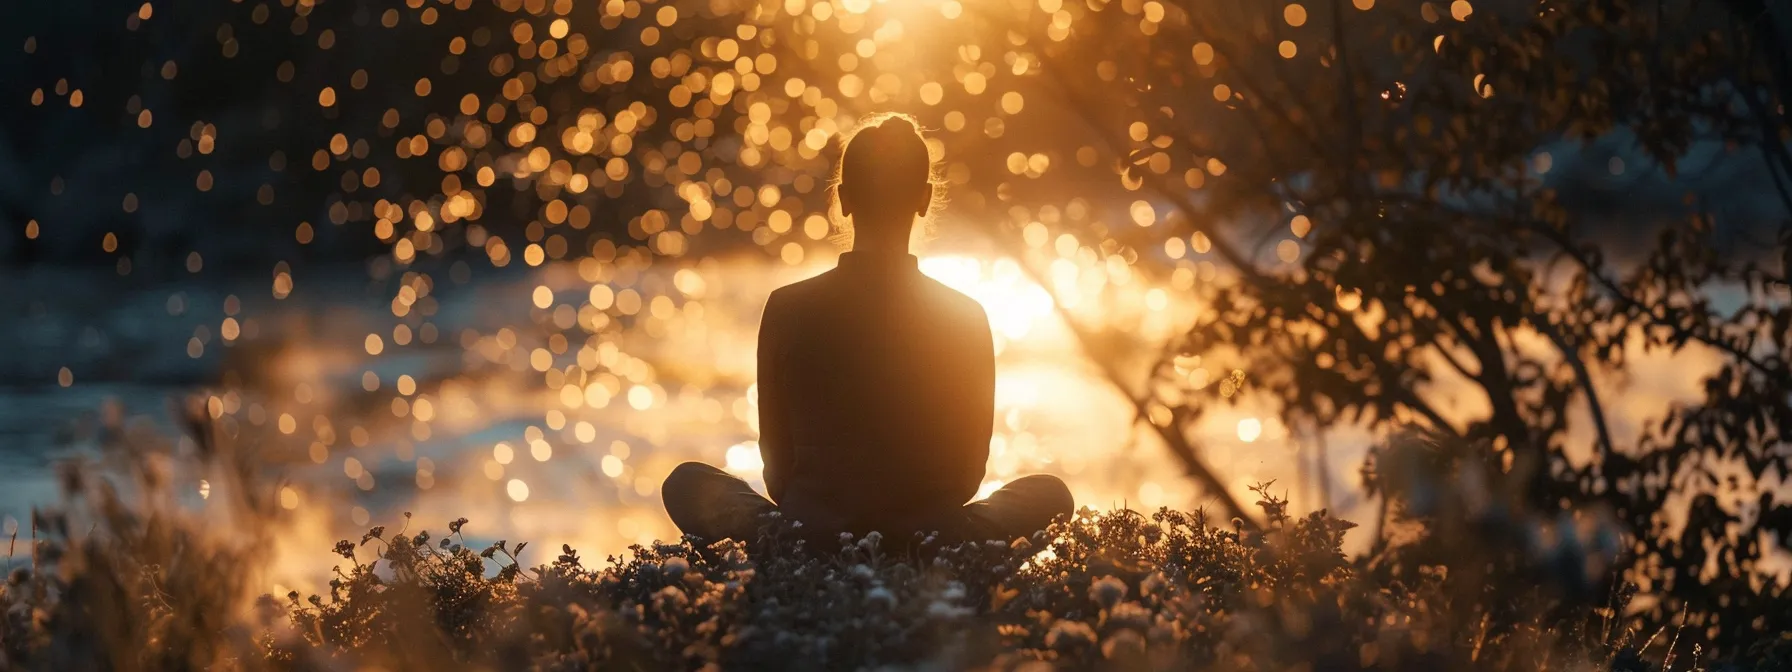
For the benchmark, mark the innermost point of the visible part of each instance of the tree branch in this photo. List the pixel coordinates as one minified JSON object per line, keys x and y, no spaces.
{"x":1173,"y":438}
{"x":1617,"y":293}
{"x":1572,"y":355}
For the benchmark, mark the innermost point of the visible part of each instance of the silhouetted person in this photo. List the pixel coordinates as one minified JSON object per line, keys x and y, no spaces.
{"x":876,"y":386}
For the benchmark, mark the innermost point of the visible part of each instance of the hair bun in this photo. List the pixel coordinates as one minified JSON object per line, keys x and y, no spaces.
{"x":900,"y":125}
{"x":890,"y":134}
{"x":884,"y":164}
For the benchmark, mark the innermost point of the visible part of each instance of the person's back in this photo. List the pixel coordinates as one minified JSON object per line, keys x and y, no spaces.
{"x":876,"y":385}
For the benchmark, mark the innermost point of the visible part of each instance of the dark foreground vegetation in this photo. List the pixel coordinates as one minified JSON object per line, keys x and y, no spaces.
{"x":152,"y":587}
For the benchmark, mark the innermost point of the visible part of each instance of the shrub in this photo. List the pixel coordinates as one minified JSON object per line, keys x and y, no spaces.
{"x":1114,"y":590}
{"x":137,"y":581}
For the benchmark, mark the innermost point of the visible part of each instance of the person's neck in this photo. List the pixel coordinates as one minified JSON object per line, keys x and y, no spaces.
{"x":883,"y":247}
{"x":879,"y":251}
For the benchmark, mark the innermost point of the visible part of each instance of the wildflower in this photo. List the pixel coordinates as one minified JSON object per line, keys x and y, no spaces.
{"x":1129,"y":615}
{"x":881,"y":596}
{"x":674,"y":567}
{"x":1125,"y":644}
{"x":1153,"y":584}
{"x":345,"y":549}
{"x":874,"y":537}
{"x":671,"y":596}
{"x":1107,"y":591}
{"x":861,"y":571}
{"x":1020,"y":545}
{"x":954,"y":591}
{"x":1165,"y":630}
{"x":1152,"y":534}
{"x":455,"y":526}
{"x":1067,"y":633}
{"x":942,"y":609}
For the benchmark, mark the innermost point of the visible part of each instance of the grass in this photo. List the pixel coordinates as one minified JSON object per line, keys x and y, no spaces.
{"x":137,"y":582}
{"x":1116,"y":590}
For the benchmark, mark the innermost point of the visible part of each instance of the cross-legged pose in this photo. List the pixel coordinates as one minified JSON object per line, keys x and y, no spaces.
{"x":876,"y":385}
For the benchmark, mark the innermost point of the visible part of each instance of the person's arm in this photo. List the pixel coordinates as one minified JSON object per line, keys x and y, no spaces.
{"x":978,"y":419}
{"x":774,"y":431}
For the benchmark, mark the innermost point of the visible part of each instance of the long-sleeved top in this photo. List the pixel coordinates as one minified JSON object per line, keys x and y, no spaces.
{"x":876,"y":395}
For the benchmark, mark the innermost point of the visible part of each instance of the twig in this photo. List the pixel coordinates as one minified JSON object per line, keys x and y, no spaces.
{"x":1572,"y":355}
{"x":1617,"y":293}
{"x":1324,"y":469}
{"x":1172,"y":436}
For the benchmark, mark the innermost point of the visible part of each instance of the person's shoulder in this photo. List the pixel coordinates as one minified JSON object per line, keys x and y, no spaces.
{"x":958,"y":302}
{"x":801,"y":288}
{"x":797,"y":293}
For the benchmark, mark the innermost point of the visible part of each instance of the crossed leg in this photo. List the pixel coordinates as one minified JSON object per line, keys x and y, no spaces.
{"x":712,"y":504}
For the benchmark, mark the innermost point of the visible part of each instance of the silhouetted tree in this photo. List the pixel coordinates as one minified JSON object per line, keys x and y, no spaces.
{"x":1507,"y":204}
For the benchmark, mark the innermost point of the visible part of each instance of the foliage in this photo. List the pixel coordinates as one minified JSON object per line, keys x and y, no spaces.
{"x":1118,"y":590}
{"x":1497,"y":207}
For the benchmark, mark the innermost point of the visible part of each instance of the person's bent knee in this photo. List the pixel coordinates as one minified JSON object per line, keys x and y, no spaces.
{"x":1045,"y":494}
{"x":684,"y":475}
{"x":680,"y":486}
{"x":1053,"y":495}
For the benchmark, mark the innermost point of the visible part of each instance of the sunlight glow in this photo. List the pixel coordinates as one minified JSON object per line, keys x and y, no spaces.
{"x":1015,"y":303}
{"x":744,"y":458}
{"x":1249,"y":429}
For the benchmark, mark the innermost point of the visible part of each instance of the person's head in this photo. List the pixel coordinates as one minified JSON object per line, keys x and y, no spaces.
{"x":885,"y":180}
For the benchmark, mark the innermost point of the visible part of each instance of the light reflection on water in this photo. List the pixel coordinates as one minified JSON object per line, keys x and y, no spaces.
{"x":472,"y":425}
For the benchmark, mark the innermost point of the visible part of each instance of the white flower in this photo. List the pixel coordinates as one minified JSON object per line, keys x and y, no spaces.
{"x":881,"y":596}
{"x":1107,"y":591}
{"x":946,"y":610}
{"x":954,"y":591}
